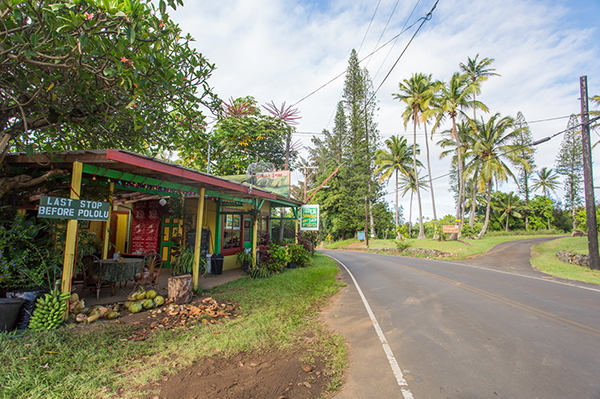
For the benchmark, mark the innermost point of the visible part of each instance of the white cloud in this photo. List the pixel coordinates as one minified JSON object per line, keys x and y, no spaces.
{"x":282,"y":50}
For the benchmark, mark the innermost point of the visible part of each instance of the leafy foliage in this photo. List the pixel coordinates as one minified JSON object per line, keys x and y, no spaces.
{"x":581,"y":218}
{"x":299,"y":255}
{"x":27,"y":255}
{"x":569,"y":163}
{"x":541,"y":213}
{"x":242,"y":135}
{"x":83,"y":74}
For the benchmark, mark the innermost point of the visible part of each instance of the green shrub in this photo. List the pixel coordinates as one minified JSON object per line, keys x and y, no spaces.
{"x":299,"y":255}
{"x":279,"y":259}
{"x":402,"y":245}
{"x":28,"y":257}
{"x":468,"y":231}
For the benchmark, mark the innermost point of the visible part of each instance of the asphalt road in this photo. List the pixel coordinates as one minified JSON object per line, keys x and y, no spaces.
{"x":459,"y":330}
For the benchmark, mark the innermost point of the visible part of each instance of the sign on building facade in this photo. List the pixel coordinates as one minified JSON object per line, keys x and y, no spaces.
{"x":67,"y":208}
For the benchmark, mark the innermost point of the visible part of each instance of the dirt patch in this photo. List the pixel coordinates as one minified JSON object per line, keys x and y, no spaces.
{"x":277,"y":375}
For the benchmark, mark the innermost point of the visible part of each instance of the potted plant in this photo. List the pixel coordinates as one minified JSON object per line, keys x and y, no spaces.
{"x":298,"y":256}
{"x":29,"y":263}
{"x":184,"y":263}
{"x":244,"y":259}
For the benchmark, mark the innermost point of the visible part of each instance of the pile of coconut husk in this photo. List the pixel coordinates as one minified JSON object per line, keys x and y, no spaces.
{"x":172,"y":316}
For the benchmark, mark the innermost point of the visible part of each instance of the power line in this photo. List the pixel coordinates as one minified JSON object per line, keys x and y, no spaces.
{"x":369,"y":27}
{"x":537,"y":142}
{"x":427,"y":17}
{"x":395,"y":41}
{"x":423,"y":131}
{"x":424,"y":19}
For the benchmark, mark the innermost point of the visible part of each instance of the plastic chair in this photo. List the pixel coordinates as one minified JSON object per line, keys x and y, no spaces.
{"x":93,"y":275}
{"x":151,"y":267}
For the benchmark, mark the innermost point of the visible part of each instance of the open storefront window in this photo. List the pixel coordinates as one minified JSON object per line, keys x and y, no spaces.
{"x":232,"y":233}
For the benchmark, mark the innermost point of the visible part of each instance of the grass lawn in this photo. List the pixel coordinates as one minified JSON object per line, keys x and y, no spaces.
{"x":455,"y":247}
{"x":544,"y":259}
{"x":96,"y":361}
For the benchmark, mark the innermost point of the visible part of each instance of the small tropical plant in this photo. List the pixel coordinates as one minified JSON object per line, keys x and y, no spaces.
{"x":28,"y":257}
{"x":280,"y":258}
{"x":402,"y":245}
{"x":468,"y":231}
{"x":299,"y":255}
{"x":244,"y":259}
{"x":184,"y":262}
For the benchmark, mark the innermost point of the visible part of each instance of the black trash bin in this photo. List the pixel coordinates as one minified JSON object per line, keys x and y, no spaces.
{"x":216,"y":264}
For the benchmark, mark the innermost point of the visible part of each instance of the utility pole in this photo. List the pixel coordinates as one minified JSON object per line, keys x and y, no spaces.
{"x":305,"y":177}
{"x":366,"y":223}
{"x":208,"y":161}
{"x":590,"y":206}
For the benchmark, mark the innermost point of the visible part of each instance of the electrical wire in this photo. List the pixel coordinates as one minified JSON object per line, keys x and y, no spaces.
{"x":407,"y":133}
{"x":384,"y":28}
{"x":395,"y":41}
{"x":369,"y":27}
{"x":426,"y":18}
{"x":535,"y":143}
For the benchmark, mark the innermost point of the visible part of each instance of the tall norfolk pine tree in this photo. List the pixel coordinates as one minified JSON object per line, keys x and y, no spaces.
{"x":351,"y":146}
{"x":569,"y":163}
{"x":524,"y":139}
{"x":363,"y":136}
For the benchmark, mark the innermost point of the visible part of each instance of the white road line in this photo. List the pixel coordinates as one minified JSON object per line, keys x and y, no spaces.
{"x":406,"y":393}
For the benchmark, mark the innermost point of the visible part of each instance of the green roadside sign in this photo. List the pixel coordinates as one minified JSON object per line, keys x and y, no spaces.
{"x":309,"y":217}
{"x":67,"y":208}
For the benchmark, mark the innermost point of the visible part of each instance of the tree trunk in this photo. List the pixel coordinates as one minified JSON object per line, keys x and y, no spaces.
{"x":454,"y":236}
{"x":429,"y":171}
{"x":507,"y":220}
{"x":180,"y":289}
{"x":487,"y":210}
{"x":410,"y":216}
{"x":421,"y":229}
{"x":398,"y":236}
{"x":281,"y":224}
{"x":473,"y":202}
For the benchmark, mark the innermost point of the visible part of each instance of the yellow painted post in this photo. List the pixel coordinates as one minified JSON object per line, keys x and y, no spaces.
{"x":71,"y":239}
{"x":254,"y":239}
{"x":107,"y":227}
{"x":199,"y":222}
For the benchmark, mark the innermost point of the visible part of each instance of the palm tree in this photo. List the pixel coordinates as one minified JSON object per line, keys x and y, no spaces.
{"x":510,"y":205}
{"x":546,"y":180}
{"x":416,"y":93}
{"x":396,"y":159}
{"x":467,"y":137}
{"x":491,"y":150}
{"x":410,"y":182}
{"x":478,"y":72}
{"x":455,"y":96}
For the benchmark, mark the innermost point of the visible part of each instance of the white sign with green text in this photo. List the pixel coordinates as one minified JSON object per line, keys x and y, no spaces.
{"x":67,"y":208}
{"x":309,"y":217}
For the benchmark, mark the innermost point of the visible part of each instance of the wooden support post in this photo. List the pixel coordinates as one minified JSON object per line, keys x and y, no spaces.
{"x":107,"y":226}
{"x":199,"y":222}
{"x":588,"y":178}
{"x":71,"y":239}
{"x":255,"y":233}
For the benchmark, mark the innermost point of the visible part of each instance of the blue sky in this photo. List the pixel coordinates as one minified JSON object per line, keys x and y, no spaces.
{"x":283,"y":50}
